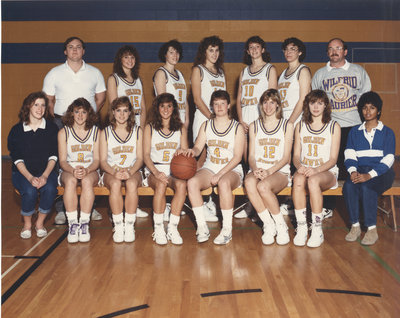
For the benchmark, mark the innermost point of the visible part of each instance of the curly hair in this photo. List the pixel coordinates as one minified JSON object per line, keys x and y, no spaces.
{"x":311,"y":98}
{"x":255,"y":39}
{"x":27,"y":105}
{"x":220,"y":95}
{"x":369,"y":98}
{"x":162,"y":52}
{"x":274,"y":95}
{"x":201,"y":52}
{"x":117,"y":67}
{"x":121,"y":102}
{"x":296,"y":42}
{"x":175,"y":122}
{"x":68,"y":118}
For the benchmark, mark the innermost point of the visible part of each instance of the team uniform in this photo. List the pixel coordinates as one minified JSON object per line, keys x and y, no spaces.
{"x":162,"y":149}
{"x":176,"y":86}
{"x":344,"y":86}
{"x":316,"y":146}
{"x":210,"y":82}
{"x":289,"y":91}
{"x":121,"y":153}
{"x":134,"y":91}
{"x":253,"y":86}
{"x":220,"y":147}
{"x":270,"y":145}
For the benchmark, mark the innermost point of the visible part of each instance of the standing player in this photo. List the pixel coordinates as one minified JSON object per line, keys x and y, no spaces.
{"x":163,"y":136}
{"x":270,"y":144}
{"x":207,"y":76}
{"x":316,"y":147}
{"x":224,"y":138}
{"x":294,"y":84}
{"x":125,"y":81}
{"x":79,"y":160}
{"x":167,"y":79}
{"x":121,"y":159}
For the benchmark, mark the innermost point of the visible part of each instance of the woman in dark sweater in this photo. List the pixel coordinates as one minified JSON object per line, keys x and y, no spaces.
{"x":33,"y":148}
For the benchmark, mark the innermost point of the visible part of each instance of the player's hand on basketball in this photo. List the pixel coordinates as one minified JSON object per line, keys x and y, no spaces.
{"x":245,"y":127}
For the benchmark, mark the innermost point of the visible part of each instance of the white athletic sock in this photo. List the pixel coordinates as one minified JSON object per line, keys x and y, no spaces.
{"x":265,"y":217}
{"x":199,"y":215}
{"x":278,"y":218}
{"x":371,"y":227}
{"x":174,"y":220}
{"x":316,"y":217}
{"x":158,"y":219}
{"x":356,"y":224}
{"x":118,"y":217}
{"x":300,"y":215}
{"x":85,"y":217}
{"x":130,"y":217}
{"x":72,"y":216}
{"x":227,"y":218}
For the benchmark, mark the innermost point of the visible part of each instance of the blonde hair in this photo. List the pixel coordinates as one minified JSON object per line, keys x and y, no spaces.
{"x":272,"y":94}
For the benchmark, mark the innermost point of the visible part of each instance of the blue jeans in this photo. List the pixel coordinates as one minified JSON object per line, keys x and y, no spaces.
{"x":368,"y":193}
{"x":29,"y":193}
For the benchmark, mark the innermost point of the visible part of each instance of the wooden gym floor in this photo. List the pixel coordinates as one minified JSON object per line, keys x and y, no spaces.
{"x":50,"y":278}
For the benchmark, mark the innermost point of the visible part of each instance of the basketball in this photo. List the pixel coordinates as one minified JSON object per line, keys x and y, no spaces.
{"x":183,"y":167}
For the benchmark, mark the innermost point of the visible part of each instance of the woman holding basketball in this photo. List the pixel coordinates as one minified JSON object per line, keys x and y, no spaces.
{"x":270,"y":145}
{"x":120,"y":159}
{"x":316,"y":148}
{"x":163,"y":136}
{"x":78,"y":150}
{"x":224,"y":138}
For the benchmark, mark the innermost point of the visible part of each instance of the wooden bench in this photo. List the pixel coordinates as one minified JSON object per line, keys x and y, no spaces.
{"x":394,"y":190}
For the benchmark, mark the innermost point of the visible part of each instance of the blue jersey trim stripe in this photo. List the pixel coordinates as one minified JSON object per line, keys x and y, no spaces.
{"x":358,"y":52}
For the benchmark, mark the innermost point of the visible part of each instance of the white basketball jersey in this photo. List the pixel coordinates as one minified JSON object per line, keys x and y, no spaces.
{"x":253,"y":86}
{"x":80,"y":151}
{"x":210,"y":83}
{"x":176,"y":86}
{"x":289,"y":90}
{"x":220,"y":146}
{"x":163,"y":147}
{"x":134,"y":91}
{"x":316,"y":145}
{"x":121,"y":153}
{"x":270,"y":145}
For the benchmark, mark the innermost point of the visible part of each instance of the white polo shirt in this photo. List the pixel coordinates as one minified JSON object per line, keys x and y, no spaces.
{"x":66,"y":85}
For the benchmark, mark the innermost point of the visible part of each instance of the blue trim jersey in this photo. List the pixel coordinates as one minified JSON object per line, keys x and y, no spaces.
{"x":371,"y":152}
{"x":80,"y":151}
{"x":134,"y":91}
{"x":269,"y":146}
{"x":221,"y":146}
{"x":121,"y":153}
{"x":316,"y":145}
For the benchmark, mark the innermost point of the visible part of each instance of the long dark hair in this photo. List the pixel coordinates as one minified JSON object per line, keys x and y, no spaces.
{"x":118,"y":102}
{"x":201,"y":52}
{"x":312,"y":97}
{"x":255,"y":39}
{"x":28,"y":103}
{"x":175,"y":122}
{"x":117,"y":67}
{"x":68,"y":118}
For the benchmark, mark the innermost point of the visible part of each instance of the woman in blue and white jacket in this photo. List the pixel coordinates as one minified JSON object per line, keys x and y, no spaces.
{"x":369,"y":158}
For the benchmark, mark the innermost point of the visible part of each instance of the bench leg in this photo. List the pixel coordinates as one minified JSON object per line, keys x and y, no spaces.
{"x":393,"y":213}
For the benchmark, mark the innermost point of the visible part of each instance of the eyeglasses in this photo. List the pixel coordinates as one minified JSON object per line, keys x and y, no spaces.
{"x":291,"y":49}
{"x":338,"y":48}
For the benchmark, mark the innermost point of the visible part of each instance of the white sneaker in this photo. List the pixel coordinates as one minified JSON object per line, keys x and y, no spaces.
{"x":224,"y":237}
{"x":282,"y":234}
{"x":241,"y":215}
{"x":301,"y":234}
{"x":174,"y":236}
{"x":167,"y":212}
{"x":269,"y":230}
{"x":25,"y":234}
{"x":73,"y":232}
{"x":84,"y":234}
{"x":60,"y":218}
{"x":129,"y":232}
{"x":211,"y":206}
{"x":96,"y":216}
{"x":202,"y":234}
{"x":118,"y":235}
{"x":159,"y":235}
{"x":41,"y":232}
{"x":317,"y":236}
{"x":141,"y":214}
{"x":327,"y":213}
